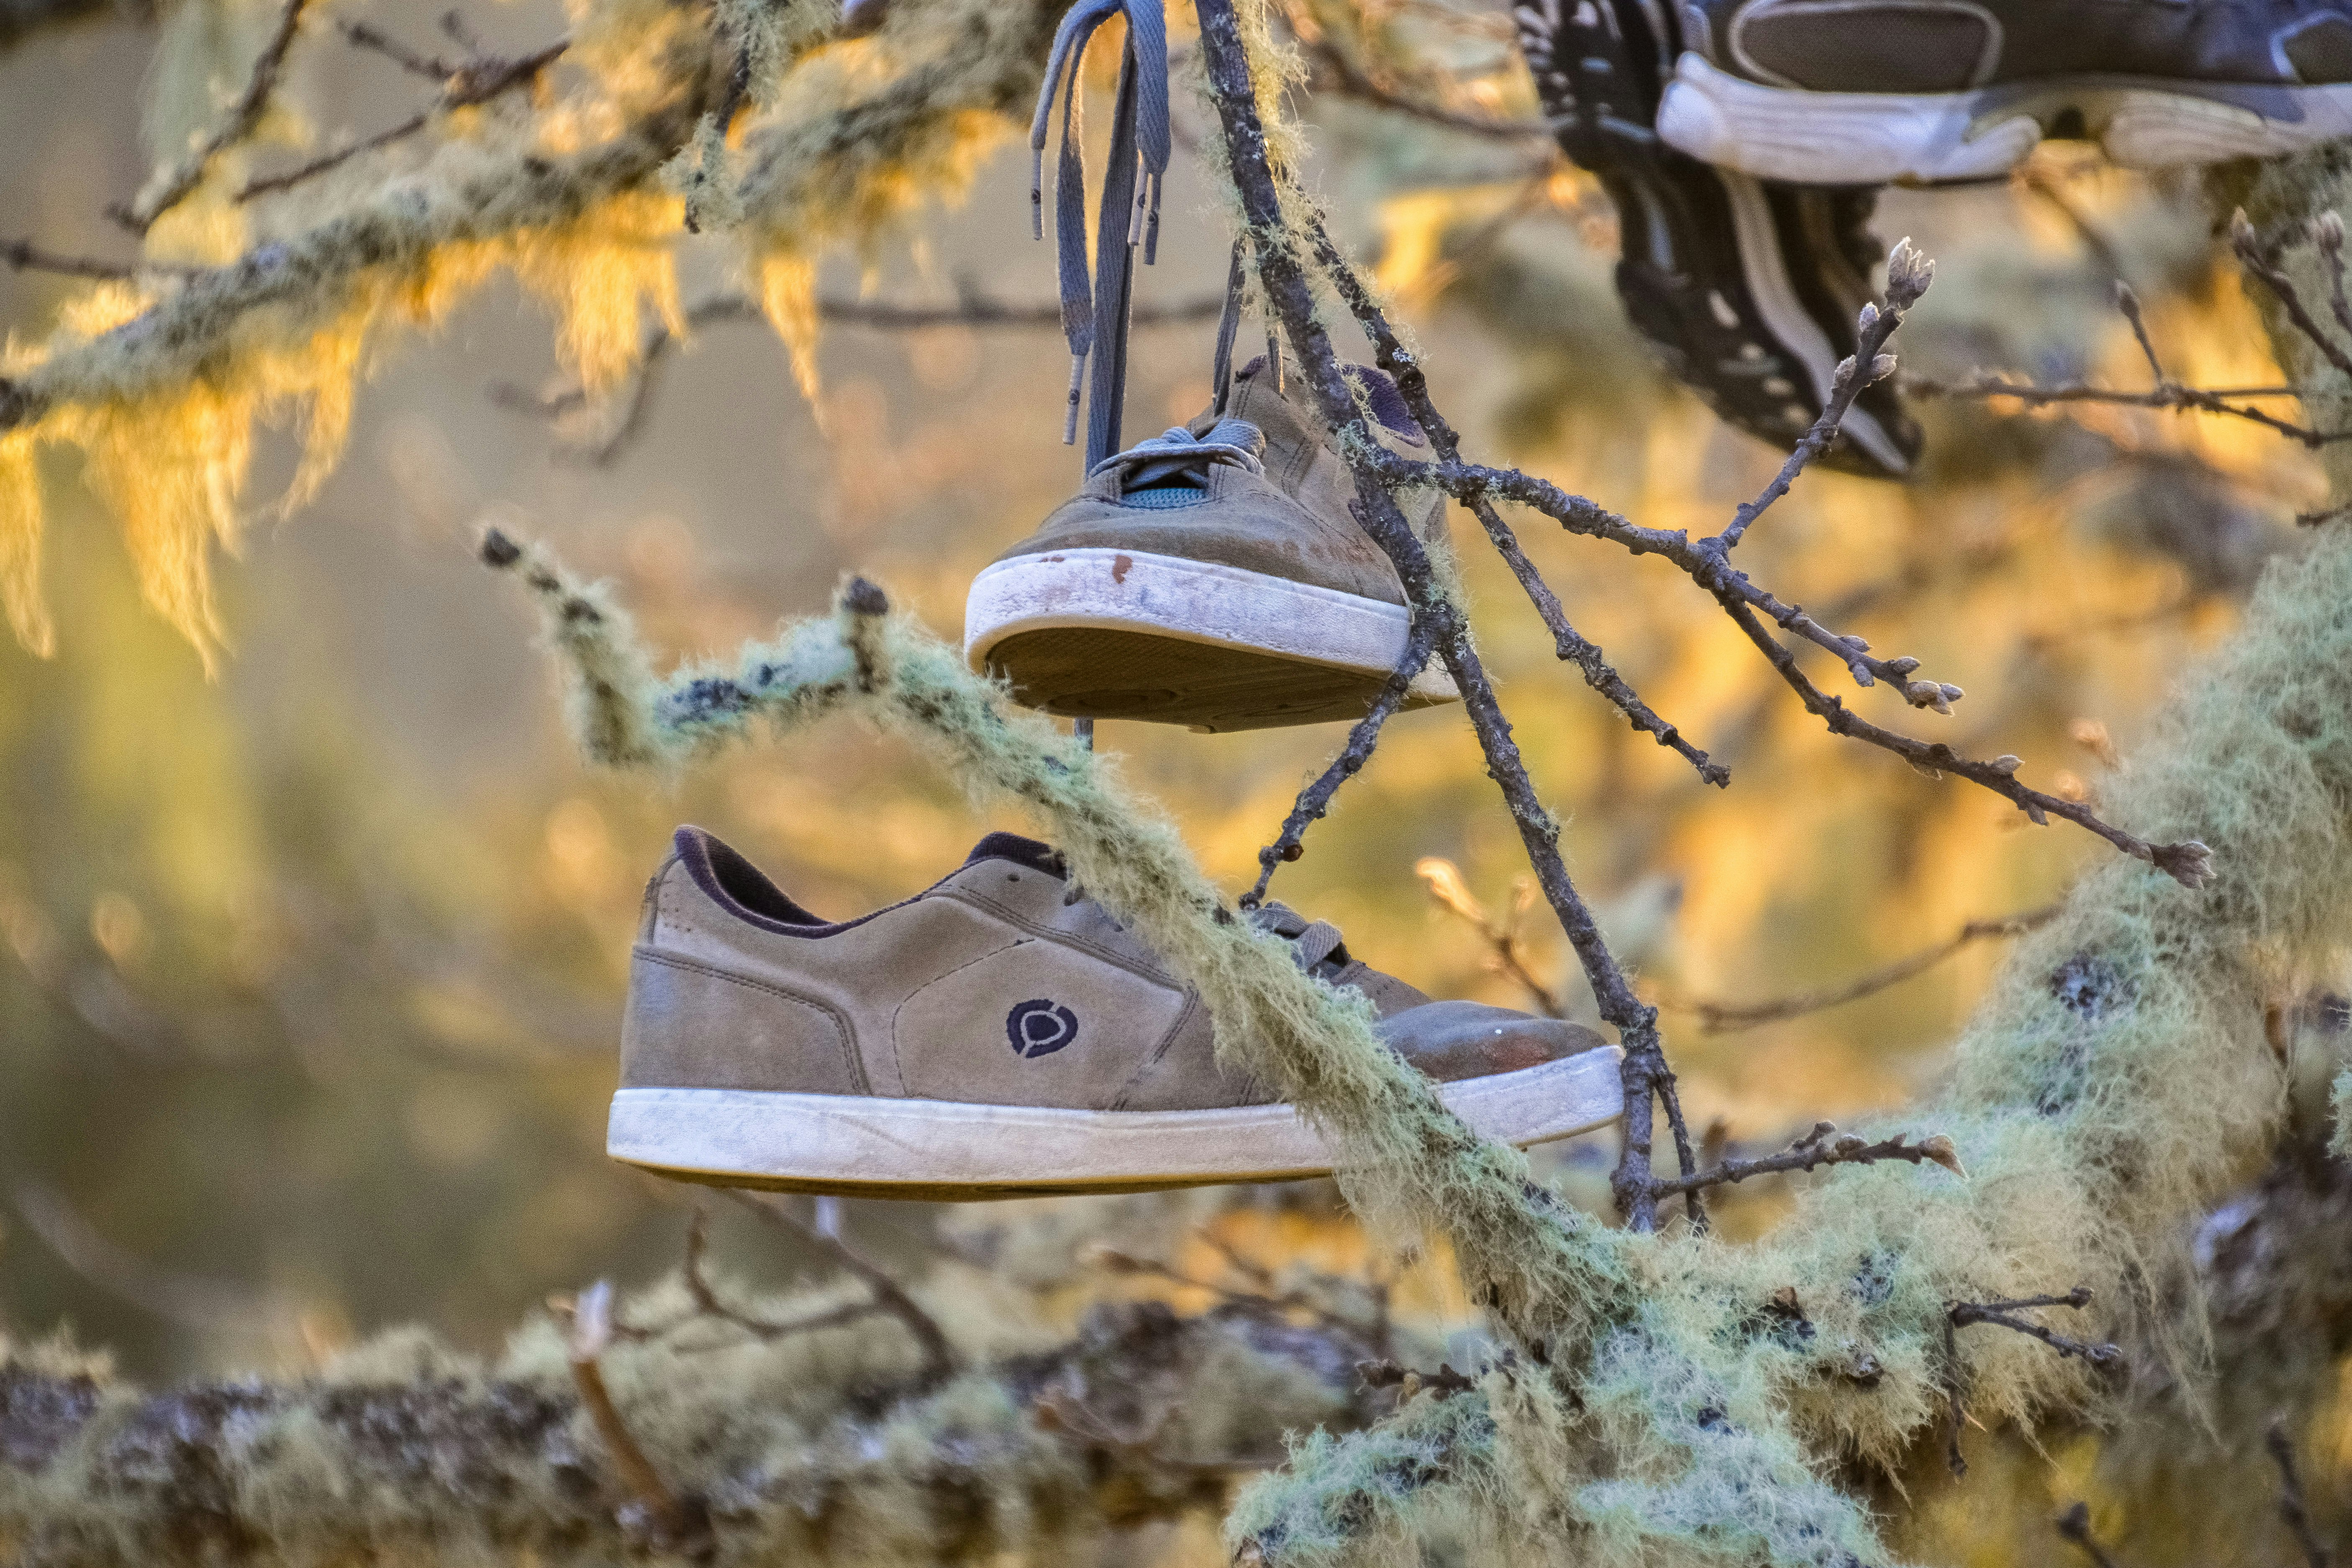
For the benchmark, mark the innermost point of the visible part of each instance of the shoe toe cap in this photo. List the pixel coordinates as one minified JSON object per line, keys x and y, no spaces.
{"x":1450,"y":1041}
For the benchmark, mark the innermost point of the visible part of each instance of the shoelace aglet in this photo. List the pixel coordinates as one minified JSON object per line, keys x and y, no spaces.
{"x":1037,"y":191}
{"x":1070,"y":423}
{"x":1151,"y":223}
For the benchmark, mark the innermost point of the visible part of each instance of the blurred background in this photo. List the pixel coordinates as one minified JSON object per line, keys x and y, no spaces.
{"x":310,"y":972}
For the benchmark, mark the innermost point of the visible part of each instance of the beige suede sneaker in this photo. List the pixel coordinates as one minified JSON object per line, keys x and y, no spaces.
{"x":1212,"y":577}
{"x":1000,"y":1035}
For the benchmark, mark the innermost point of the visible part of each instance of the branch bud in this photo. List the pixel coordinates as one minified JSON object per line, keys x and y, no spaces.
{"x":2006,"y":765}
{"x":1909,"y":273}
{"x":1941,"y":1150}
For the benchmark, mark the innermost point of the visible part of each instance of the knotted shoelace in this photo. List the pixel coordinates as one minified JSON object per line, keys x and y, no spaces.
{"x":1177,"y":454}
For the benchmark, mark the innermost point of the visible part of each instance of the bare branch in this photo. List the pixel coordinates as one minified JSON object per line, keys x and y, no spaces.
{"x":1315,"y":798}
{"x":2248,"y":248}
{"x":2075,"y":1525}
{"x":1907,"y":276}
{"x":939,"y":1355}
{"x":172,"y":188}
{"x":24,"y":256}
{"x":2002,"y":1313}
{"x":680,"y":1523}
{"x":1282,"y":273}
{"x":2292,"y":1507}
{"x":1335,"y":73}
{"x":1401,"y":367}
{"x":478,"y":81}
{"x":1719,"y":1017}
{"x":1823,"y":1146}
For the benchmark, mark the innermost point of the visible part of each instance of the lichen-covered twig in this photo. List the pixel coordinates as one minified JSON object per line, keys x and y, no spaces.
{"x":172,"y":185}
{"x":1723,"y":1017}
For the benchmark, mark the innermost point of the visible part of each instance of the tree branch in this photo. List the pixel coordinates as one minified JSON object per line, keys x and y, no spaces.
{"x":173,"y":186}
{"x":1720,"y":1018}
{"x":938,"y":1356}
{"x":1819,"y":1148}
{"x":1282,"y":273}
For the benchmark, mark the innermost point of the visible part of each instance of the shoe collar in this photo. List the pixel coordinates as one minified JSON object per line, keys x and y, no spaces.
{"x":1283,"y":412}
{"x":742,"y":891}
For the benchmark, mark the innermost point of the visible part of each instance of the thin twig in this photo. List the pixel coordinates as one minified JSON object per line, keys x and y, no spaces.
{"x":679,"y":1525}
{"x":1315,"y":798}
{"x":24,"y":256}
{"x":2002,"y":1313}
{"x":1452,"y":894}
{"x":635,"y":401}
{"x":1719,"y":1017}
{"x":1988,"y":384}
{"x":939,"y":1357}
{"x":2075,"y":1525}
{"x":708,"y":1304}
{"x":1907,"y":276}
{"x":2292,"y":1507}
{"x":359,"y":36}
{"x":1823,"y":1146}
{"x":1335,"y":73}
{"x":2256,"y":259}
{"x":1403,"y":368}
{"x":478,"y":81}
{"x":244,"y":114}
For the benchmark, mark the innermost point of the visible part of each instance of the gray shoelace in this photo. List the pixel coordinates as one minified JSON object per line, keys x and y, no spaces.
{"x":1177,"y":453}
{"x":1097,"y":309}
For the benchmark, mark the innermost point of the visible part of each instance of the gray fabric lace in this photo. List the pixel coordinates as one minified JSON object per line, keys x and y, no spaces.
{"x":1094,"y":313}
{"x":1314,"y":944}
{"x":1176,"y":453}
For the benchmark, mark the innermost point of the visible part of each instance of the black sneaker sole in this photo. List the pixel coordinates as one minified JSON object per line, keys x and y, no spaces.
{"x":1748,"y":288}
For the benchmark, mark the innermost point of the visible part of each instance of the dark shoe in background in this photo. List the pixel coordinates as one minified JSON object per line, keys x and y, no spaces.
{"x":1746,"y":288}
{"x":1920,"y":91}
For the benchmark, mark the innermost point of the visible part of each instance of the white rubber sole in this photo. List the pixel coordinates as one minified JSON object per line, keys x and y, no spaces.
{"x":1191,"y":600}
{"x":1871,"y":139}
{"x":873,"y":1147}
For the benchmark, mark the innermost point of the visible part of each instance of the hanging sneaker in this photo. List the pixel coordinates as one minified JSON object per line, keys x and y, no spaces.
{"x":1871,"y":92}
{"x":1748,"y":288}
{"x":1213,"y":576}
{"x":1000,"y":1035}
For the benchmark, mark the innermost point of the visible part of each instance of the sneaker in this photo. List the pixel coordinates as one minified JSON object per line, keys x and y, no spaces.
{"x":1748,"y":288}
{"x":999,"y":1035}
{"x":1213,"y":576}
{"x":1868,"y":91}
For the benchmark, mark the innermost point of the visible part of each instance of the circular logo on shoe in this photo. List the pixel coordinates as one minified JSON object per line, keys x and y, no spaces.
{"x":1040,"y":1028}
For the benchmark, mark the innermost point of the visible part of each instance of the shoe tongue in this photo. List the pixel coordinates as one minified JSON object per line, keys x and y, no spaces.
{"x":1380,"y":394}
{"x":1022,"y":851}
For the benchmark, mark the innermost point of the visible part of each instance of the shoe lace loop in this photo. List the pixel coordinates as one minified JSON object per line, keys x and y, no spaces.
{"x":1317,"y":945}
{"x":1176,"y":454}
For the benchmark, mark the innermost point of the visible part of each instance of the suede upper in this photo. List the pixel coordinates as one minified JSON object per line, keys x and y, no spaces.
{"x":996,"y":986}
{"x":1291,"y":522}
